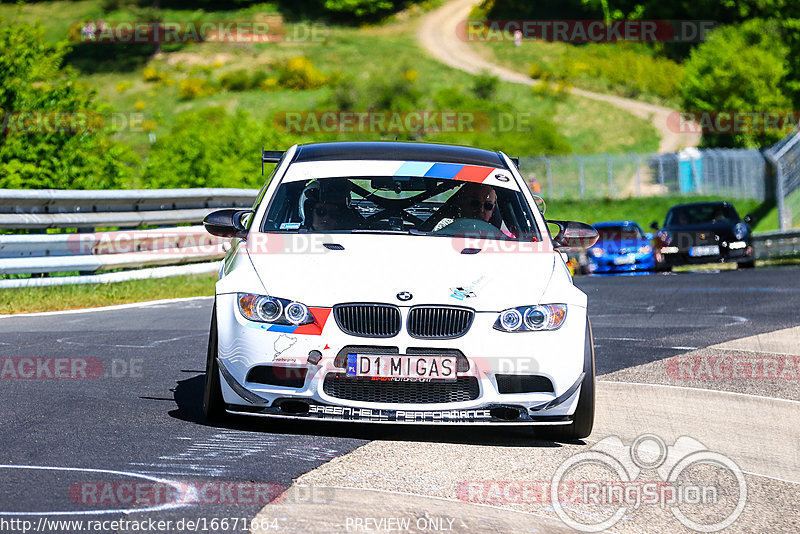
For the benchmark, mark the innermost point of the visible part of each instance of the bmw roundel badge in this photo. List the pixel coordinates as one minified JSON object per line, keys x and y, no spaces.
{"x":404,"y":296}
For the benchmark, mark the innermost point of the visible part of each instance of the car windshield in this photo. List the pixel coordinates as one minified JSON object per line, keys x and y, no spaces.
{"x":704,"y":213}
{"x":620,"y":233}
{"x":401,"y":204}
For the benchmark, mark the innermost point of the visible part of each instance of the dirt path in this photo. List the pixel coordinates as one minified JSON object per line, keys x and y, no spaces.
{"x":437,"y":33}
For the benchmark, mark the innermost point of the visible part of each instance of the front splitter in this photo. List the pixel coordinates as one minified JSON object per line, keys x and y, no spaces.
{"x":496,"y":414}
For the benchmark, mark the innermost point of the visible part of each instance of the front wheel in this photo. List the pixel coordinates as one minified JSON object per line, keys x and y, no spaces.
{"x":583,"y":420}
{"x":213,"y":403}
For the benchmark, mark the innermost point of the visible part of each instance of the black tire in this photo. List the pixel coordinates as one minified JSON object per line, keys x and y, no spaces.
{"x":746,"y":264}
{"x":213,"y":403}
{"x":583,"y":419}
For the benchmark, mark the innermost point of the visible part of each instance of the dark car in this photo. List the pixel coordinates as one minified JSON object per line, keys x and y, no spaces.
{"x":703,"y":232}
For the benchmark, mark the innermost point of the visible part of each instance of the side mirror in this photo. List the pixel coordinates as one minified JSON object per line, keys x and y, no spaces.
{"x":749,"y":219}
{"x":540,"y":203}
{"x":654,"y":225}
{"x":227,"y":223}
{"x":575,"y":235}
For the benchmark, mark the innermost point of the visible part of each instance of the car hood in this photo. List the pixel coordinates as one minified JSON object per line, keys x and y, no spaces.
{"x":376,"y":268}
{"x":711,"y":227}
{"x":631,"y":245}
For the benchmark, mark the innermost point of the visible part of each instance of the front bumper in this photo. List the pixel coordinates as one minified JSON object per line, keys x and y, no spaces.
{"x":607,"y":264}
{"x":557,"y":356}
{"x":726,"y":255}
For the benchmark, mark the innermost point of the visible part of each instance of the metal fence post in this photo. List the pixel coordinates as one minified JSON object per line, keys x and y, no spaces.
{"x":549,"y":172}
{"x":580,"y":176}
{"x":778,"y":191}
{"x":638,"y":176}
{"x":661,"y":171}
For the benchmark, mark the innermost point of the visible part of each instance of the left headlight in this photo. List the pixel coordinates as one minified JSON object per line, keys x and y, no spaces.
{"x":531,"y":318}
{"x":266,"y":309}
{"x":645,"y":249}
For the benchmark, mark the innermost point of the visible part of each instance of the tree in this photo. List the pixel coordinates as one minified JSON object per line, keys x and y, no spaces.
{"x":51,"y":132}
{"x":210,"y":148}
{"x":739,"y":68}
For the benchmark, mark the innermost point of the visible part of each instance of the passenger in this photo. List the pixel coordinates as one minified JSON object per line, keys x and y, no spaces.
{"x":477,"y":201}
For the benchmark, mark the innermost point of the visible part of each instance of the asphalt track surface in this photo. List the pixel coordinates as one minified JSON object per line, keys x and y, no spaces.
{"x":142,"y":418}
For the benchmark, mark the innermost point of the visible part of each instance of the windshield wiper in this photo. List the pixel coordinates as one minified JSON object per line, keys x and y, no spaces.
{"x":376,"y":231}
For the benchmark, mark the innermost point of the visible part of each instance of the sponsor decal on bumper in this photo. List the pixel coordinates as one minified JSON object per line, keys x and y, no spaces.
{"x":403,"y":416}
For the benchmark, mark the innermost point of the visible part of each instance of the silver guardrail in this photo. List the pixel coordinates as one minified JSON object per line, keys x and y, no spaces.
{"x":22,"y":209}
{"x":779,"y":244}
{"x":141,"y":253}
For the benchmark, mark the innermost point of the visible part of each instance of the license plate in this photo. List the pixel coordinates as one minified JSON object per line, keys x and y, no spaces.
{"x":625,"y":260}
{"x":708,"y":250}
{"x":401,"y":366}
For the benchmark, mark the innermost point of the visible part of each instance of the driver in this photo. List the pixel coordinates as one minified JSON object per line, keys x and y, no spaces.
{"x":328,"y":207}
{"x":477,"y":201}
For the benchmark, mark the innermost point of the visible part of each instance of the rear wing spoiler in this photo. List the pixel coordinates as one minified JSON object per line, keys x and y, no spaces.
{"x":270,"y":156}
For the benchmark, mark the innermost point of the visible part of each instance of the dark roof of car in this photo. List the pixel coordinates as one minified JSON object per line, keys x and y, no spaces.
{"x":605,"y":224}
{"x":718,"y":203}
{"x":393,"y":150}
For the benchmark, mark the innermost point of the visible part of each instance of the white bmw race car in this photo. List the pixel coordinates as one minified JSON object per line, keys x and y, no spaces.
{"x":403,"y":283}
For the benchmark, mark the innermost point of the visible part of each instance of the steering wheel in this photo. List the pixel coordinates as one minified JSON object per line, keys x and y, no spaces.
{"x":466,"y":226}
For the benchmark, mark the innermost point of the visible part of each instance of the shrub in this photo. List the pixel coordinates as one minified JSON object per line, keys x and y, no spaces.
{"x":192,"y":88}
{"x":123,"y":86}
{"x":210,"y":148}
{"x":152,"y":74}
{"x":139,"y":105}
{"x":484,"y":86}
{"x":299,"y":73}
{"x":270,"y":84}
{"x":238,"y":80}
{"x":739,"y":68}
{"x":31,"y":78}
{"x":535,"y":70}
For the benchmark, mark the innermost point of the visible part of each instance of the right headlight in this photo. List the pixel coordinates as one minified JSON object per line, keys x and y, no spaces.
{"x":596,"y":252}
{"x":531,"y":318}
{"x":266,"y":309}
{"x":739,"y":231}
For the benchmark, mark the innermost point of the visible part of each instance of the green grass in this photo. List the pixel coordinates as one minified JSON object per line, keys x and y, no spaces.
{"x":792,"y":203}
{"x":55,"y":17}
{"x":379,"y":51}
{"x":588,"y":126}
{"x":642,"y":210}
{"x":632,"y":70}
{"x":36,"y":299}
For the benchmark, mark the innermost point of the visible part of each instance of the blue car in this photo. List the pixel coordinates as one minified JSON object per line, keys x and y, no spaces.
{"x":622,"y":247}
